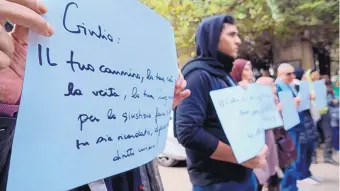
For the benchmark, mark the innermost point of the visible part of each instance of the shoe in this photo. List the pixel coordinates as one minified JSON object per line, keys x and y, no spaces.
{"x":309,"y":181}
{"x":329,"y":160}
{"x":316,"y":178}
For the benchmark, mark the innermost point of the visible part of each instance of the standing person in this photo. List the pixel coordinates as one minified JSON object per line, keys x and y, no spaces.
{"x":268,"y":175}
{"x":13,"y":52}
{"x":308,"y":139}
{"x":334,"y":112}
{"x":210,"y":160}
{"x":284,"y":83}
{"x":242,"y":71}
{"x":323,"y":124}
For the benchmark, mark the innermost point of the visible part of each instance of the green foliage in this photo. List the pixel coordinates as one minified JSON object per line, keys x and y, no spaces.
{"x":276,"y":18}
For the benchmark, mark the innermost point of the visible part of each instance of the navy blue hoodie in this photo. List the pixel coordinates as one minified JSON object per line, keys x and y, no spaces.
{"x":197,"y":126}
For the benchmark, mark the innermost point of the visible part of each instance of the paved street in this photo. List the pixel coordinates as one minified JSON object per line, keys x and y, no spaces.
{"x":176,"y":178}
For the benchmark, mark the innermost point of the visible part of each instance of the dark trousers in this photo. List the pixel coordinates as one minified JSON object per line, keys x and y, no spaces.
{"x":248,"y":185}
{"x":336,"y":138}
{"x":7,"y":125}
{"x":273,"y":184}
{"x":304,"y":162}
{"x":326,"y":130}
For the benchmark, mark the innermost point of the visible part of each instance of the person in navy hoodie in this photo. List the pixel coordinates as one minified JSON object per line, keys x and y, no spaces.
{"x":211,"y":163}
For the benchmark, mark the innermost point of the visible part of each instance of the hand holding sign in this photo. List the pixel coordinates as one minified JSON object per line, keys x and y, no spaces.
{"x":109,"y":111}
{"x":245,"y":114}
{"x":25,"y":14}
{"x":289,"y":111}
{"x":305,"y":96}
{"x":320,"y":90}
{"x":271,"y":117}
{"x":241,"y":118}
{"x":258,"y":161}
{"x":297,"y":101}
{"x":180,"y":92}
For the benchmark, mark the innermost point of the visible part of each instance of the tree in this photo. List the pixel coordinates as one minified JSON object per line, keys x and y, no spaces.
{"x":259,"y":21}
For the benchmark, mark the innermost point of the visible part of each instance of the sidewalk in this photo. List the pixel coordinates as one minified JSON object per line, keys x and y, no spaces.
{"x":329,"y":174}
{"x":177,"y":179}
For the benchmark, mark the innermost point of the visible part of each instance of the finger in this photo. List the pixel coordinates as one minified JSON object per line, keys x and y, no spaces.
{"x":184,"y":94}
{"x":6,"y":43}
{"x":180,"y":79}
{"x":181,"y":87}
{"x":4,"y":60}
{"x":23,"y":16}
{"x":34,"y":5}
{"x":178,"y":82}
{"x":183,"y":84}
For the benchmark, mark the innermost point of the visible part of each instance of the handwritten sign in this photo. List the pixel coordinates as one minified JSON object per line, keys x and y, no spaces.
{"x":271,"y":117}
{"x":290,"y":114}
{"x":241,"y":118}
{"x":320,"y":90}
{"x":97,"y":95}
{"x":304,"y":94}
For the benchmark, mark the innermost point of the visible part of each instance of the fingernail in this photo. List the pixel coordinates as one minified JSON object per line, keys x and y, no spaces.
{"x":41,"y":7}
{"x":49,"y":30}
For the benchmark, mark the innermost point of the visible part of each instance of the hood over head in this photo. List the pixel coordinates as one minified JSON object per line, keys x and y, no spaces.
{"x":207,"y":39}
{"x":208,"y":35}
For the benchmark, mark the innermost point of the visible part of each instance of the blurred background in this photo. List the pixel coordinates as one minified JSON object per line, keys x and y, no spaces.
{"x":304,"y":33}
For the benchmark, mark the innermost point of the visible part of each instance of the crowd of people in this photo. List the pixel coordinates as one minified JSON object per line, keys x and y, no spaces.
{"x":285,"y":159}
{"x":287,"y":156}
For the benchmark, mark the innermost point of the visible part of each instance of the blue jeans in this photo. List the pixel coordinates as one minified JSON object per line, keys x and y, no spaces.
{"x":248,"y":185}
{"x":305,"y":160}
{"x":288,"y":183}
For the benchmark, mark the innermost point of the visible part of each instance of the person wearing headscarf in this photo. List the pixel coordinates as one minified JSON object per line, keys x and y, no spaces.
{"x":210,"y":160}
{"x":242,"y":71}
